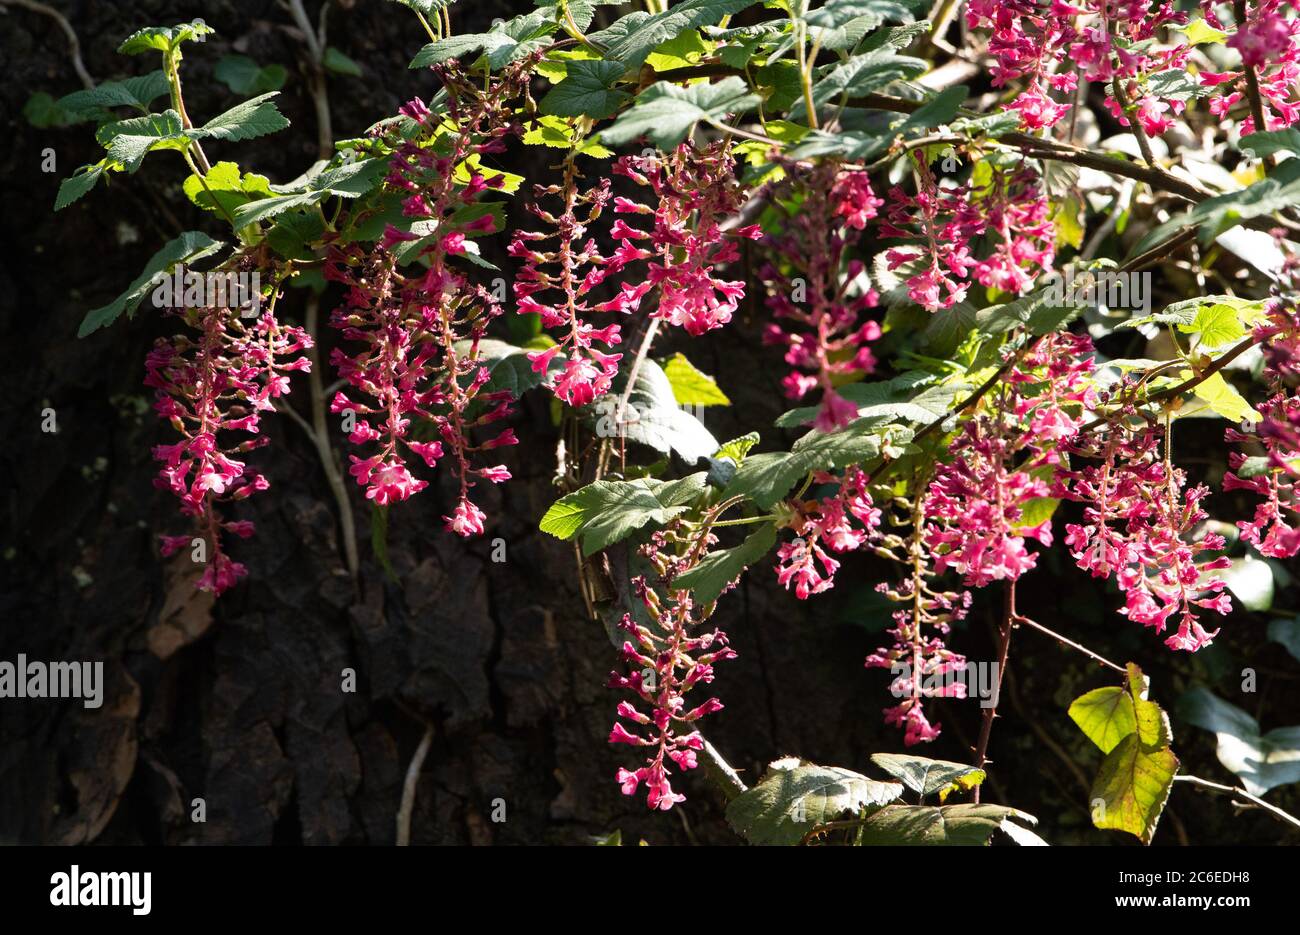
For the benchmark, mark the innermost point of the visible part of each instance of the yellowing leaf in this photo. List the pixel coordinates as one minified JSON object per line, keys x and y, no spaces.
{"x":1224,"y":399}
{"x":692,"y":387}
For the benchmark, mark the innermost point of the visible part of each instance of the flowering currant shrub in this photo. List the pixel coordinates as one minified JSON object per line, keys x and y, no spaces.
{"x":997,"y":283}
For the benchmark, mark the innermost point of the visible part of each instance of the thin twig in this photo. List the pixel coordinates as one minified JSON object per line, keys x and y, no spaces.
{"x":315,"y":41}
{"x":321,"y":438}
{"x":1066,"y":641}
{"x":408,"y":788}
{"x":1255,"y":800}
{"x":74,"y":44}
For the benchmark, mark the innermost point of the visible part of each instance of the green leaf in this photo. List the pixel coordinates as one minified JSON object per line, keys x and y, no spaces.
{"x":1150,"y":722}
{"x":719,"y":569}
{"x":1105,"y":715}
{"x":887,"y":400}
{"x":1286,"y":632}
{"x":1133,"y":785}
{"x":165,"y":39}
{"x":790,"y":802}
{"x":664,"y":113}
{"x":927,"y":776}
{"x":1266,"y":143}
{"x":188,"y":247}
{"x":77,"y":185}
{"x":859,"y":76}
{"x":767,"y":478}
{"x":1217,"y":325}
{"x":426,"y":7}
{"x":509,"y":366}
{"x":129,"y":141}
{"x":1198,"y":32}
{"x":938,"y":110}
{"x":138,"y":92}
{"x":692,"y":387}
{"x":944,"y":825}
{"x":607,"y":512}
{"x":340,"y":64}
{"x":737,"y":448}
{"x":255,"y":117}
{"x":226,"y":188}
{"x":244,"y":76}
{"x":1279,"y":191}
{"x":1176,"y":84}
{"x":652,"y":417}
{"x":650,"y":31}
{"x":1223,"y":398}
{"x":347,"y":180}
{"x":587,"y":90}
{"x":502,"y":44}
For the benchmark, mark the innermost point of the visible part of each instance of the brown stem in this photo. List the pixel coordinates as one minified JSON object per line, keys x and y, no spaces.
{"x":1139,"y":132}
{"x":1191,"y":382}
{"x":315,"y":41}
{"x":991,"y":712}
{"x":1065,"y":641}
{"x":1252,"y":79}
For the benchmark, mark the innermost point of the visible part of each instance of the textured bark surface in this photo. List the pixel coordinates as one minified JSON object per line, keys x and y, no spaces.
{"x":241,"y":703}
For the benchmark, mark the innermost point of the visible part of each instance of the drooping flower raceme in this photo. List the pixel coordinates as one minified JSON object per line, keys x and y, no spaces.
{"x":1272,"y":472}
{"x":1049,"y":44}
{"x":977,"y":504}
{"x":666,"y":657}
{"x":420,"y":333}
{"x":922,"y":666}
{"x":1268,"y":42}
{"x":556,"y":284}
{"x":1140,"y":525}
{"x":696,"y":193}
{"x":815,"y":296}
{"x":220,"y":381}
{"x":951,"y":223}
{"x":842,"y":522}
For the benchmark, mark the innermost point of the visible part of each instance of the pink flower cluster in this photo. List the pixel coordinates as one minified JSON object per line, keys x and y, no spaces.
{"x":1139,"y":525}
{"x":578,"y":267}
{"x":696,"y":194}
{"x":974,"y":506}
{"x":218,"y":382}
{"x":1050,"y":44}
{"x":420,"y":335}
{"x":928,"y":669}
{"x":811,"y":291}
{"x":1267,"y":42}
{"x":1273,"y":529}
{"x":826,"y":524}
{"x":668,"y":657}
{"x":1012,"y":211}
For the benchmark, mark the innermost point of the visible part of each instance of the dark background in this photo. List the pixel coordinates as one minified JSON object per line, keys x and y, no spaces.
{"x":240,"y":703}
